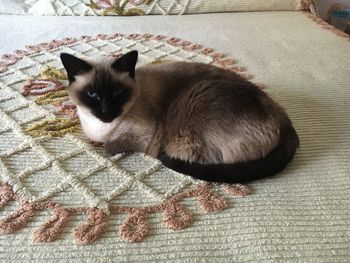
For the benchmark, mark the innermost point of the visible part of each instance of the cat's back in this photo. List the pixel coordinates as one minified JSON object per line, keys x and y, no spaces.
{"x":176,"y":70}
{"x":165,"y":81}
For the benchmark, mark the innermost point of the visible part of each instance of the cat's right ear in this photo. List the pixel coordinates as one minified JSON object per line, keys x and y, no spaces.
{"x":127,"y":63}
{"x":74,"y":66}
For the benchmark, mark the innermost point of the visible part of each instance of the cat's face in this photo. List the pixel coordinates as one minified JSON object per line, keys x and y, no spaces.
{"x":105,"y":88}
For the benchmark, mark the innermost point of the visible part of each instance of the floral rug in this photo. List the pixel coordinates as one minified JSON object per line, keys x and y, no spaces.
{"x":50,"y":173}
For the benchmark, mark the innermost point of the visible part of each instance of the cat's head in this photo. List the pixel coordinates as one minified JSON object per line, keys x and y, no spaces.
{"x":106,"y":87}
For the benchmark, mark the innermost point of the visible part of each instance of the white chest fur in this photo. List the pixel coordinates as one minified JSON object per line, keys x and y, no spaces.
{"x":93,"y":128}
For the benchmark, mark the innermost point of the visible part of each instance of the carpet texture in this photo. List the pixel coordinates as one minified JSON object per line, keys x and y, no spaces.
{"x":301,"y":215}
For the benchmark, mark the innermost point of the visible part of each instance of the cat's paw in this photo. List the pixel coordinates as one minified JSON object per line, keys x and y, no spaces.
{"x":123,"y":144}
{"x":110,"y":149}
{"x":113,"y":148}
{"x":96,"y":144}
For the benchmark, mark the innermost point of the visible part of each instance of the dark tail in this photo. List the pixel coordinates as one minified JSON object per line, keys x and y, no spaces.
{"x":271,"y":164}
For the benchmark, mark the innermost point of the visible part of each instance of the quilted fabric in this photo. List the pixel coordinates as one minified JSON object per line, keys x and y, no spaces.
{"x":141,"y":7}
{"x":300,"y":215}
{"x":46,"y":163}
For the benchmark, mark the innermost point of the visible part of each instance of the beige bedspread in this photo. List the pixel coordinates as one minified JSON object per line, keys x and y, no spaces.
{"x":301,"y":215}
{"x":141,"y":7}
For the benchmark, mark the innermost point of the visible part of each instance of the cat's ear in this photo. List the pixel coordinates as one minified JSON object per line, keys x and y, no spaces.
{"x":74,"y":65}
{"x":126,"y":63}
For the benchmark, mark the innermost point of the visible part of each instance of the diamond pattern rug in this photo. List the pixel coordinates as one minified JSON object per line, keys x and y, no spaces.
{"x":49,"y":171}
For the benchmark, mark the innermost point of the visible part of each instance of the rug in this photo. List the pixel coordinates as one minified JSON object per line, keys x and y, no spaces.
{"x":47,"y":166}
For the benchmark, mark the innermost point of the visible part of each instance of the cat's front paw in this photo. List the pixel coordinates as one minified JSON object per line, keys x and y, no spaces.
{"x":123,"y":144}
{"x":96,"y":144}
{"x":111,"y":149}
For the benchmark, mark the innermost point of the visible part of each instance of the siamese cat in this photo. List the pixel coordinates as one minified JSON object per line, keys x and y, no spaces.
{"x":197,"y":119}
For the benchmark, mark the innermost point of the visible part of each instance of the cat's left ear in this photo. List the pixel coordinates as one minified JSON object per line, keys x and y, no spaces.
{"x":74,"y":66}
{"x":126,"y":63}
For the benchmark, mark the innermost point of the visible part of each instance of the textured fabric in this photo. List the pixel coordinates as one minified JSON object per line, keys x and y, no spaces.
{"x":40,"y":125}
{"x":301,"y":214}
{"x":107,"y":7}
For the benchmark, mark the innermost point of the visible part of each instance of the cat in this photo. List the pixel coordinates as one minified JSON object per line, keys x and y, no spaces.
{"x":197,"y":119}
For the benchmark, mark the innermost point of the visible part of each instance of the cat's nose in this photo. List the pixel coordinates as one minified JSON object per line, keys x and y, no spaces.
{"x":105,"y":108}
{"x":105,"y":111}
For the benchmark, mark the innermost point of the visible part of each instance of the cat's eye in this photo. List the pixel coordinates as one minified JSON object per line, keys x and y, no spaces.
{"x":93,"y":95}
{"x":117,"y":92}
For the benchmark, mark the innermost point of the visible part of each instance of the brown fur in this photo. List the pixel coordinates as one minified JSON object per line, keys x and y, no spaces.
{"x":192,"y":112}
{"x":197,"y":121}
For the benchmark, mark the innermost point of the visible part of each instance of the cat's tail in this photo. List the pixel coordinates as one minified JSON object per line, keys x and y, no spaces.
{"x":271,"y":164}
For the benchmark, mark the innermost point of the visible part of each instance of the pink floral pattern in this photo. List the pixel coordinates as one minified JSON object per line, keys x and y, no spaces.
{"x":136,"y":226}
{"x":133,"y":229}
{"x":41,"y":86}
{"x":105,"y":3}
{"x":120,"y":7}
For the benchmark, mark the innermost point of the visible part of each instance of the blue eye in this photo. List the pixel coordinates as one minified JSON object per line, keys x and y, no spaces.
{"x":93,"y":95}
{"x":117,"y":92}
